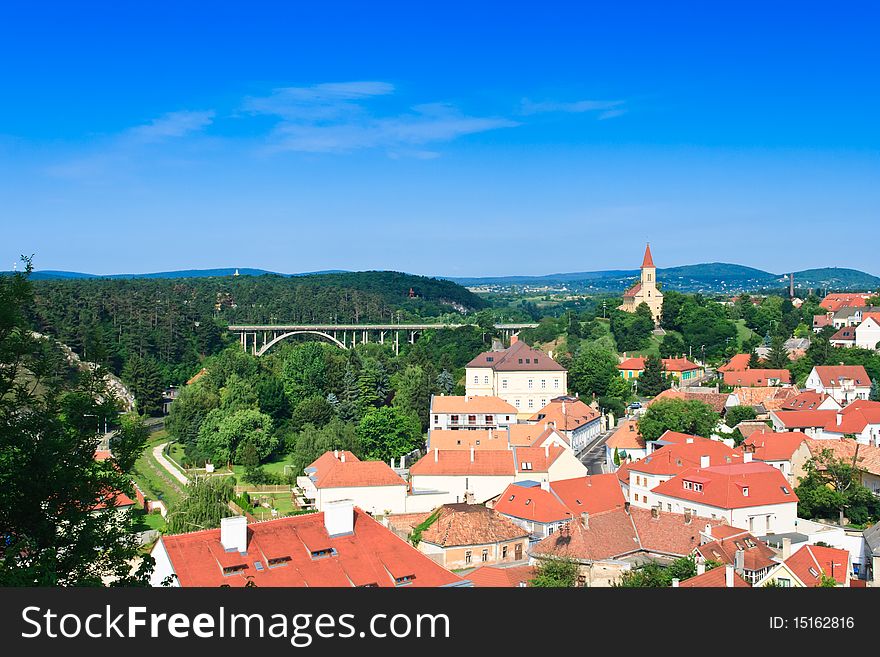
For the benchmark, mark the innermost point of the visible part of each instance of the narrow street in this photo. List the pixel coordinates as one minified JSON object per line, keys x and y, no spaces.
{"x":593,"y":455}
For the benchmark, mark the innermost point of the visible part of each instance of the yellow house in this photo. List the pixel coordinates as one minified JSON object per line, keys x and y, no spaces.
{"x":679,"y":369}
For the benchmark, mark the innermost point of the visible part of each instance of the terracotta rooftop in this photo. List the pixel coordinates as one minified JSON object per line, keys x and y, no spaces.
{"x":717,"y":577}
{"x":717,"y":400}
{"x":471,"y":524}
{"x":808,"y":400}
{"x":344,"y":470}
{"x":460,"y":439}
{"x":566,"y":413}
{"x":297,"y":551}
{"x":756,"y":377}
{"x":809,"y":562}
{"x":771,"y":446}
{"x":772,"y":398}
{"x":516,"y":358}
{"x":830,"y":375}
{"x":867,"y":457}
{"x":473,"y":404}
{"x":736,"y":363}
{"x":675,"y":458}
{"x":806,"y":419}
{"x":495,"y":576}
{"x":757,"y":555}
{"x":626,"y":436}
{"x":735,"y":486}
{"x":458,"y":462}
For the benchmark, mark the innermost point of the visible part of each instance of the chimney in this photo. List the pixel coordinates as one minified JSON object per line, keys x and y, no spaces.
{"x":786,"y":548}
{"x":839,"y":418}
{"x":339,"y":517}
{"x":739,"y":561}
{"x":585,"y":519}
{"x":704,"y":461}
{"x":708,"y":530}
{"x":747,"y":457}
{"x":472,"y":454}
{"x":655,"y":511}
{"x":436,"y":455}
{"x":728,"y":576}
{"x":701,"y":567}
{"x":675,"y":582}
{"x":547,"y":451}
{"x":342,"y":457}
{"x":233,"y":533}
{"x":689,"y":441}
{"x":336,"y":453}
{"x":545,"y":485}
{"x":688,"y":516}
{"x":626,"y":507}
{"x":513,"y":340}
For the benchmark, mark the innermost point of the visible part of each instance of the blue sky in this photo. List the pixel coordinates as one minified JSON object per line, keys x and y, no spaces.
{"x":453,"y":140}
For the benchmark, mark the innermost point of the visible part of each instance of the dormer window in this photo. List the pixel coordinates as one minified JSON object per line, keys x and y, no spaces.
{"x":490,"y":359}
{"x":278,"y":561}
{"x":745,"y":491}
{"x":404,"y":580}
{"x":325,"y":552}
{"x":231,"y":570}
{"x":814,"y":572}
{"x":528,"y":501}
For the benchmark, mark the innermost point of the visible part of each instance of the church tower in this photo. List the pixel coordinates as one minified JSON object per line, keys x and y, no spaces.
{"x":645,"y":291}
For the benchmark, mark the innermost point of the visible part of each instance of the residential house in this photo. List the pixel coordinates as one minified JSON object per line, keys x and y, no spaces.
{"x":750,"y":557}
{"x":807,"y":566}
{"x":748,"y":494}
{"x":811,"y":423}
{"x":578,"y":421}
{"x":465,"y":535}
{"x":810,"y":400}
{"x":339,"y":475}
{"x":502,"y":576}
{"x":627,"y":441}
{"x":775,"y":449}
{"x":860,"y":419}
{"x":868,"y":332}
{"x":762,"y":399}
{"x":845,"y":337}
{"x":680,"y":370}
{"x":722,"y":577}
{"x":865,"y":458}
{"x":837,"y":300}
{"x":470,"y":412}
{"x":757,"y":377}
{"x":339,"y":547}
{"x":821,"y":321}
{"x":610,"y":543}
{"x":737,"y":363}
{"x":845,"y":383}
{"x":524,"y":377}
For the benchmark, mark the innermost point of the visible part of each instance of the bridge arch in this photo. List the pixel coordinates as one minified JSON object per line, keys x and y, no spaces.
{"x":283,"y":336}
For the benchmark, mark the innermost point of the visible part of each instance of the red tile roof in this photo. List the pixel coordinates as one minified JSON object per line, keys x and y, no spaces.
{"x":647,"y":261}
{"x":472,"y":404}
{"x":371,"y":555}
{"x":626,"y":436}
{"x":820,"y":321}
{"x":736,"y":363}
{"x":735,"y":486}
{"x":757,"y":555}
{"x":855,"y":417}
{"x":465,"y":439}
{"x":806,"y":419}
{"x":845,"y":334}
{"x":717,"y":577}
{"x":471,"y":524}
{"x":330,"y":471}
{"x":836,"y":301}
{"x":818,"y":559}
{"x":525,"y":434}
{"x":495,"y":576}
{"x":633,"y":291}
{"x":756,"y":377}
{"x":771,"y":446}
{"x":867,"y":457}
{"x":593,"y":494}
{"x":669,"y":364}
{"x":458,"y":462}
{"x":772,"y":398}
{"x":566,"y":414}
{"x":717,"y":400}
{"x":808,"y":400}
{"x":675,"y":458}
{"x":539,"y":459}
{"x":519,"y":357}
{"x":532,"y":503}
{"x":619,"y":532}
{"x":830,"y":375}
{"x":637,"y":363}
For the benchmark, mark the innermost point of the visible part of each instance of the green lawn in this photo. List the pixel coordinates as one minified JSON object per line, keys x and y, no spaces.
{"x":152,"y":478}
{"x":743,"y":332}
{"x":274,"y":467}
{"x":144,"y":521}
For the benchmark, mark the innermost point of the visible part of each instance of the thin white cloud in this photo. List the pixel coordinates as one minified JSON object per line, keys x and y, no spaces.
{"x":607,"y":108}
{"x":172,"y":124}
{"x":317,"y":102}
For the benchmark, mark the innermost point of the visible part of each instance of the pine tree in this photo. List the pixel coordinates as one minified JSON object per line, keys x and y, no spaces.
{"x":445,"y":383}
{"x":652,"y":380}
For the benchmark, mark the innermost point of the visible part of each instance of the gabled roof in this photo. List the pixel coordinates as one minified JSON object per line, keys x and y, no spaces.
{"x":772,"y":398}
{"x":771,"y":446}
{"x":809,"y":562}
{"x":495,"y":576}
{"x":737,"y":362}
{"x":445,"y":462}
{"x":593,"y":494}
{"x":855,"y":417}
{"x":808,"y":400}
{"x":717,"y":400}
{"x":717,"y":577}
{"x":370,"y":555}
{"x":756,"y":377}
{"x":675,"y":458}
{"x":805,"y":419}
{"x":526,"y":435}
{"x":867,"y":457}
{"x":830,"y":375}
{"x":669,"y":364}
{"x":626,"y":436}
{"x":734,"y":486}
{"x":837,"y":300}
{"x":633,"y":291}
{"x":532,"y":503}
{"x":536,"y":459}
{"x":519,"y":357}
{"x":621,"y":532}
{"x":757,"y":555}
{"x":566,"y":413}
{"x":472,"y":404}
{"x":845,"y":334}
{"x":330,"y":471}
{"x":470,"y":524}
{"x":460,"y":439}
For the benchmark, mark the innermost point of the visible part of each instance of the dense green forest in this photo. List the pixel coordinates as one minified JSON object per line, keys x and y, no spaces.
{"x":159,"y":330}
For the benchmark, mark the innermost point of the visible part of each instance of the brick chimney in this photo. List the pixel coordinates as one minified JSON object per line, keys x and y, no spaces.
{"x":472,"y":454}
{"x":585,"y":520}
{"x":436,"y":455}
{"x":513,"y":340}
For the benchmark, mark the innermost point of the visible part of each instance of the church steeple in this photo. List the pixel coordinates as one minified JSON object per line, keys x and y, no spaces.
{"x":648,"y":260}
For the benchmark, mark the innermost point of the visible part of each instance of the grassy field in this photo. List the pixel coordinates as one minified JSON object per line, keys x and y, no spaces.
{"x":144,"y":521}
{"x":275,"y":467}
{"x":743,"y":332}
{"x":152,"y":478}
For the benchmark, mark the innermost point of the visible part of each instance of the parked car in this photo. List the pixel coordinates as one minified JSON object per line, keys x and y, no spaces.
{"x":635,"y":405}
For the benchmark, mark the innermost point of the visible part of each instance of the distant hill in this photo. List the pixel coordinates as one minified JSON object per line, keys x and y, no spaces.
{"x":711,"y":277}
{"x":50,"y":274}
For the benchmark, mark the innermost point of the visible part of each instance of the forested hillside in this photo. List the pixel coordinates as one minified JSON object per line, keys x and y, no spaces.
{"x":161,"y":328}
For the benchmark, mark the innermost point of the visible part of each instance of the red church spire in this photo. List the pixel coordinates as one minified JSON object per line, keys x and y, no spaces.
{"x":648,"y":261}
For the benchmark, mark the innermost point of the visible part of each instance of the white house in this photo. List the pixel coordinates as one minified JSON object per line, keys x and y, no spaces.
{"x":371,"y":485}
{"x":572,"y":417}
{"x":470,"y":412}
{"x":751,"y":495}
{"x":845,"y":383}
{"x":868,"y":333}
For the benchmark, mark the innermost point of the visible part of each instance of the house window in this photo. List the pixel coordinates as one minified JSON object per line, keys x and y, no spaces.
{"x":472,"y":419}
{"x":582,"y":580}
{"x":530,"y":384}
{"x":504,"y":384}
{"x":783,"y":581}
{"x":485,"y":555}
{"x":516,"y":403}
{"x":476,"y":379}
{"x":531,"y":403}
{"x":467,"y":556}
{"x":489,"y":419}
{"x":486,"y":380}
{"x":436,"y":419}
{"x":543,"y":383}
{"x":453,"y":419}
{"x":555,"y":383}
{"x":504,"y":552}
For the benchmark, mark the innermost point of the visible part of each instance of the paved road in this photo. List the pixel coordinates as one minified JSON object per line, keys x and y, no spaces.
{"x":593,"y":455}
{"x":165,"y":463}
